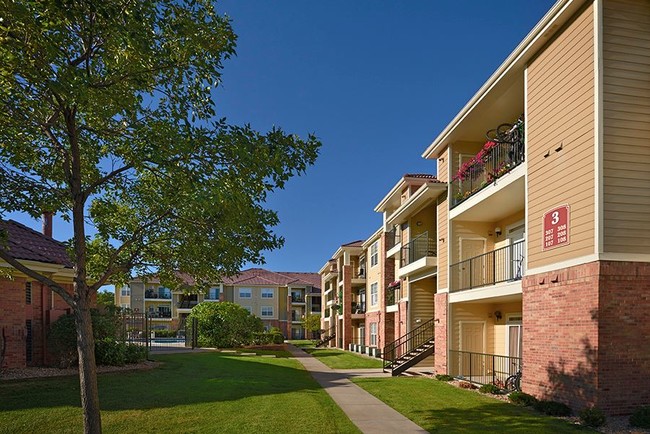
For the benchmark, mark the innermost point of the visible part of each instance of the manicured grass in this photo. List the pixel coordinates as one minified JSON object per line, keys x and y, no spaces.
{"x":303,"y":343}
{"x":199,"y":393}
{"x":338,"y":359}
{"x":439,"y":407}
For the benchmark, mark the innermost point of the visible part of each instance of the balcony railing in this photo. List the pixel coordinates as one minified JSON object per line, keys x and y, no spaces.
{"x":483,"y":368}
{"x":186,"y":304}
{"x":358,"y":307}
{"x":158,"y":294}
{"x":393,"y":237}
{"x":160,"y":314}
{"x":393,"y":295}
{"x":497,"y":158}
{"x":500,"y":265}
{"x":297,"y":299}
{"x":418,"y":248}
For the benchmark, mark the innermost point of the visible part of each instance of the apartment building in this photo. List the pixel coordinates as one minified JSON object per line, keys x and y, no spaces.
{"x":28,"y":307}
{"x":543,"y":246}
{"x":280,"y":299}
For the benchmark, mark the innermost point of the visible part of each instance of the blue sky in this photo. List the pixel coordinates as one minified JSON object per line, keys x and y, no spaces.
{"x":376,"y":81}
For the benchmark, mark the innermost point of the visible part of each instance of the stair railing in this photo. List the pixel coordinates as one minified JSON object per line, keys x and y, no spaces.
{"x":407,"y":343}
{"x":328,"y":336}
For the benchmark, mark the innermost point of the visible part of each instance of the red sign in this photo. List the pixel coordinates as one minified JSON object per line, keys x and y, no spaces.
{"x":556,"y":228}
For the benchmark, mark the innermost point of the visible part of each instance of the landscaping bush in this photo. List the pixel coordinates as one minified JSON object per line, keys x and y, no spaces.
{"x":522,"y":399}
{"x":135,"y":354}
{"x":489,"y":388}
{"x":553,"y":408}
{"x":444,"y":377}
{"x":62,"y":336}
{"x":593,"y":417}
{"x":110,"y":352}
{"x":225,"y":325}
{"x":270,"y":337}
{"x":641,"y":417}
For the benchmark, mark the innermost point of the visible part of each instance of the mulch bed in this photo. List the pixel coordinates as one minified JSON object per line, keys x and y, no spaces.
{"x":41,"y":372}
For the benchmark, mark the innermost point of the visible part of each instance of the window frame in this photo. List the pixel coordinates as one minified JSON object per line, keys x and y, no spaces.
{"x":271,"y":315}
{"x":374,"y":294}
{"x":263,"y":293}
{"x":250,"y":293}
{"x":373,"y":334}
{"x":374,"y":254}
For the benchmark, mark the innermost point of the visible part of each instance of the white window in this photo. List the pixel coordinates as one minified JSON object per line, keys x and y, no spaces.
{"x":213,"y":294}
{"x":268,"y":292}
{"x":126,"y":291}
{"x":373,"y":334}
{"x":374,"y":294}
{"x":374,"y":254}
{"x":267,"y":311}
{"x":245,"y":293}
{"x":125,"y":305}
{"x":248,"y":308}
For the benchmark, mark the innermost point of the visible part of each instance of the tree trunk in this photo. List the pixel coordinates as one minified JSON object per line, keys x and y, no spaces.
{"x":87,"y":367}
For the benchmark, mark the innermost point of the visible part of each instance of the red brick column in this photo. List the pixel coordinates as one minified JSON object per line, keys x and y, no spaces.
{"x":441,"y":335}
{"x":12,"y":321}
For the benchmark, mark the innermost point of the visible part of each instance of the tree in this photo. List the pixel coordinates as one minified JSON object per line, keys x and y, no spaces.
{"x":311,"y":323}
{"x":224,"y":325}
{"x":108,"y":118}
{"x":105,"y":298}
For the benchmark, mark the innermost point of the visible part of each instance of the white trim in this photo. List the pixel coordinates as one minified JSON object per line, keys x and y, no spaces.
{"x":562,"y":264}
{"x":625,"y":257}
{"x":509,"y":322}
{"x":487,"y":292}
{"x":598,"y":128}
{"x":525,"y":164}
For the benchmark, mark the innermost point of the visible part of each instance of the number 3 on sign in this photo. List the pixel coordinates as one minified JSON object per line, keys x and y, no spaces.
{"x":555,"y":217}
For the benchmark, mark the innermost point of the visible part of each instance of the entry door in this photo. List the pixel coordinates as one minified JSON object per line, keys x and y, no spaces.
{"x":514,"y":339}
{"x":472,"y":341}
{"x":472,"y":272}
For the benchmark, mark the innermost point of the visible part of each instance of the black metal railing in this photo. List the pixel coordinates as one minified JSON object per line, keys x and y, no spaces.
{"x":392,"y":295}
{"x":186,"y":304}
{"x":500,"y":265}
{"x":160,"y":314}
{"x":499,"y":156}
{"x":408,"y":342}
{"x":358,"y":307}
{"x":297,"y":299}
{"x":393,"y":237}
{"x":483,"y":368}
{"x":296,"y":316}
{"x":418,"y":248}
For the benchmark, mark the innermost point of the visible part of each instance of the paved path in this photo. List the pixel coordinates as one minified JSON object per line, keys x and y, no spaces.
{"x":368,"y":413}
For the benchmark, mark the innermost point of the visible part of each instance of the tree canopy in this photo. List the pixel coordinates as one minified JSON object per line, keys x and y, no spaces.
{"x":108,"y":118}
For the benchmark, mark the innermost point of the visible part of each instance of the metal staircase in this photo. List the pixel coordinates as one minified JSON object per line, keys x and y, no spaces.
{"x":326,"y":337}
{"x":410,"y":349}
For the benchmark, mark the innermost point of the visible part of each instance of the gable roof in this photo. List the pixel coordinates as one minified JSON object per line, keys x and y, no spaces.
{"x":260,"y":276}
{"x":27,"y":244}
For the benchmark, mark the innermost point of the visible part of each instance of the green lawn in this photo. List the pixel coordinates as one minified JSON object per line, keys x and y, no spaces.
{"x":200,"y":393}
{"x":439,"y":407}
{"x":338,"y":359}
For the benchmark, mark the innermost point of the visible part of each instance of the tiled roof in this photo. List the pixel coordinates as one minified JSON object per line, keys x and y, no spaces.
{"x":357,"y":243}
{"x":422,"y":176}
{"x":27,"y":244}
{"x":260,"y":276}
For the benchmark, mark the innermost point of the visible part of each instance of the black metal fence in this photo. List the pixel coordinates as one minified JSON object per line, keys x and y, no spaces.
{"x":141,"y":329}
{"x":483,"y":368}
{"x":500,"y":265}
{"x":419,"y":247}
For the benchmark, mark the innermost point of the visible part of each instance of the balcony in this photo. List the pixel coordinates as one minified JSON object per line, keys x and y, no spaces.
{"x":162,"y":293}
{"x":160,"y":314}
{"x":393,"y":237}
{"x":483,"y":368}
{"x":358,"y":310}
{"x":393,"y":296}
{"x":499,"y":156}
{"x":501,"y":265}
{"x":297,"y":299}
{"x":417,"y":255}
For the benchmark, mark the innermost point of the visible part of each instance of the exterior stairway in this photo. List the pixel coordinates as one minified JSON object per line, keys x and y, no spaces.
{"x":410,"y":349}
{"x":326,"y":337}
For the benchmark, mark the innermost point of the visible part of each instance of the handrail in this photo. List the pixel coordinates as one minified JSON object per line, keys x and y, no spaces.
{"x":483,"y":368}
{"x":408,"y":342}
{"x":496,"y":266}
{"x":419,"y":247}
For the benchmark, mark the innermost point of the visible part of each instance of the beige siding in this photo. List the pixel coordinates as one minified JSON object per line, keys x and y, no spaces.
{"x":560,"y":112}
{"x":443,"y":241}
{"x":626,"y":110}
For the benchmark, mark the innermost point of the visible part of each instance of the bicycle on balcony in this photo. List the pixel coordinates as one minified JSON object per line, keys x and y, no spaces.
{"x":513,"y":382}
{"x":512,"y":135}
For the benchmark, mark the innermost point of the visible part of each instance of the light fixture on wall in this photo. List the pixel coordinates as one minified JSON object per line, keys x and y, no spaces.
{"x":498,"y":315}
{"x":418,"y":223}
{"x":497,"y":231}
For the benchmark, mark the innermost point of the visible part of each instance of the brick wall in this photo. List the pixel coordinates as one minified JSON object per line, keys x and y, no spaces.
{"x":440,"y":314}
{"x":12,"y":322}
{"x":586,"y":338}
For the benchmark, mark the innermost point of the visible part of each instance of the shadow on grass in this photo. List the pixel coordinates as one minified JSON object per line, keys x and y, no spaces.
{"x":182,"y":379}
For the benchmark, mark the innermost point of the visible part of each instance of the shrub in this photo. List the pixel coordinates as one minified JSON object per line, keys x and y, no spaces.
{"x":110,"y":352}
{"x":523,"y":399}
{"x":489,"y":388}
{"x":444,"y":377}
{"x":593,"y":417}
{"x":641,"y":417}
{"x":225,"y":325}
{"x":553,"y":408}
{"x":134,"y":354}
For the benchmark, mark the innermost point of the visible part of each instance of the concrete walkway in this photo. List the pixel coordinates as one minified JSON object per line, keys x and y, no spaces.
{"x":368,"y":413}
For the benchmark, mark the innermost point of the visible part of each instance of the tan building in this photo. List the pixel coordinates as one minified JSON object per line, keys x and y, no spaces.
{"x":544,"y":237}
{"x":280,"y":299}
